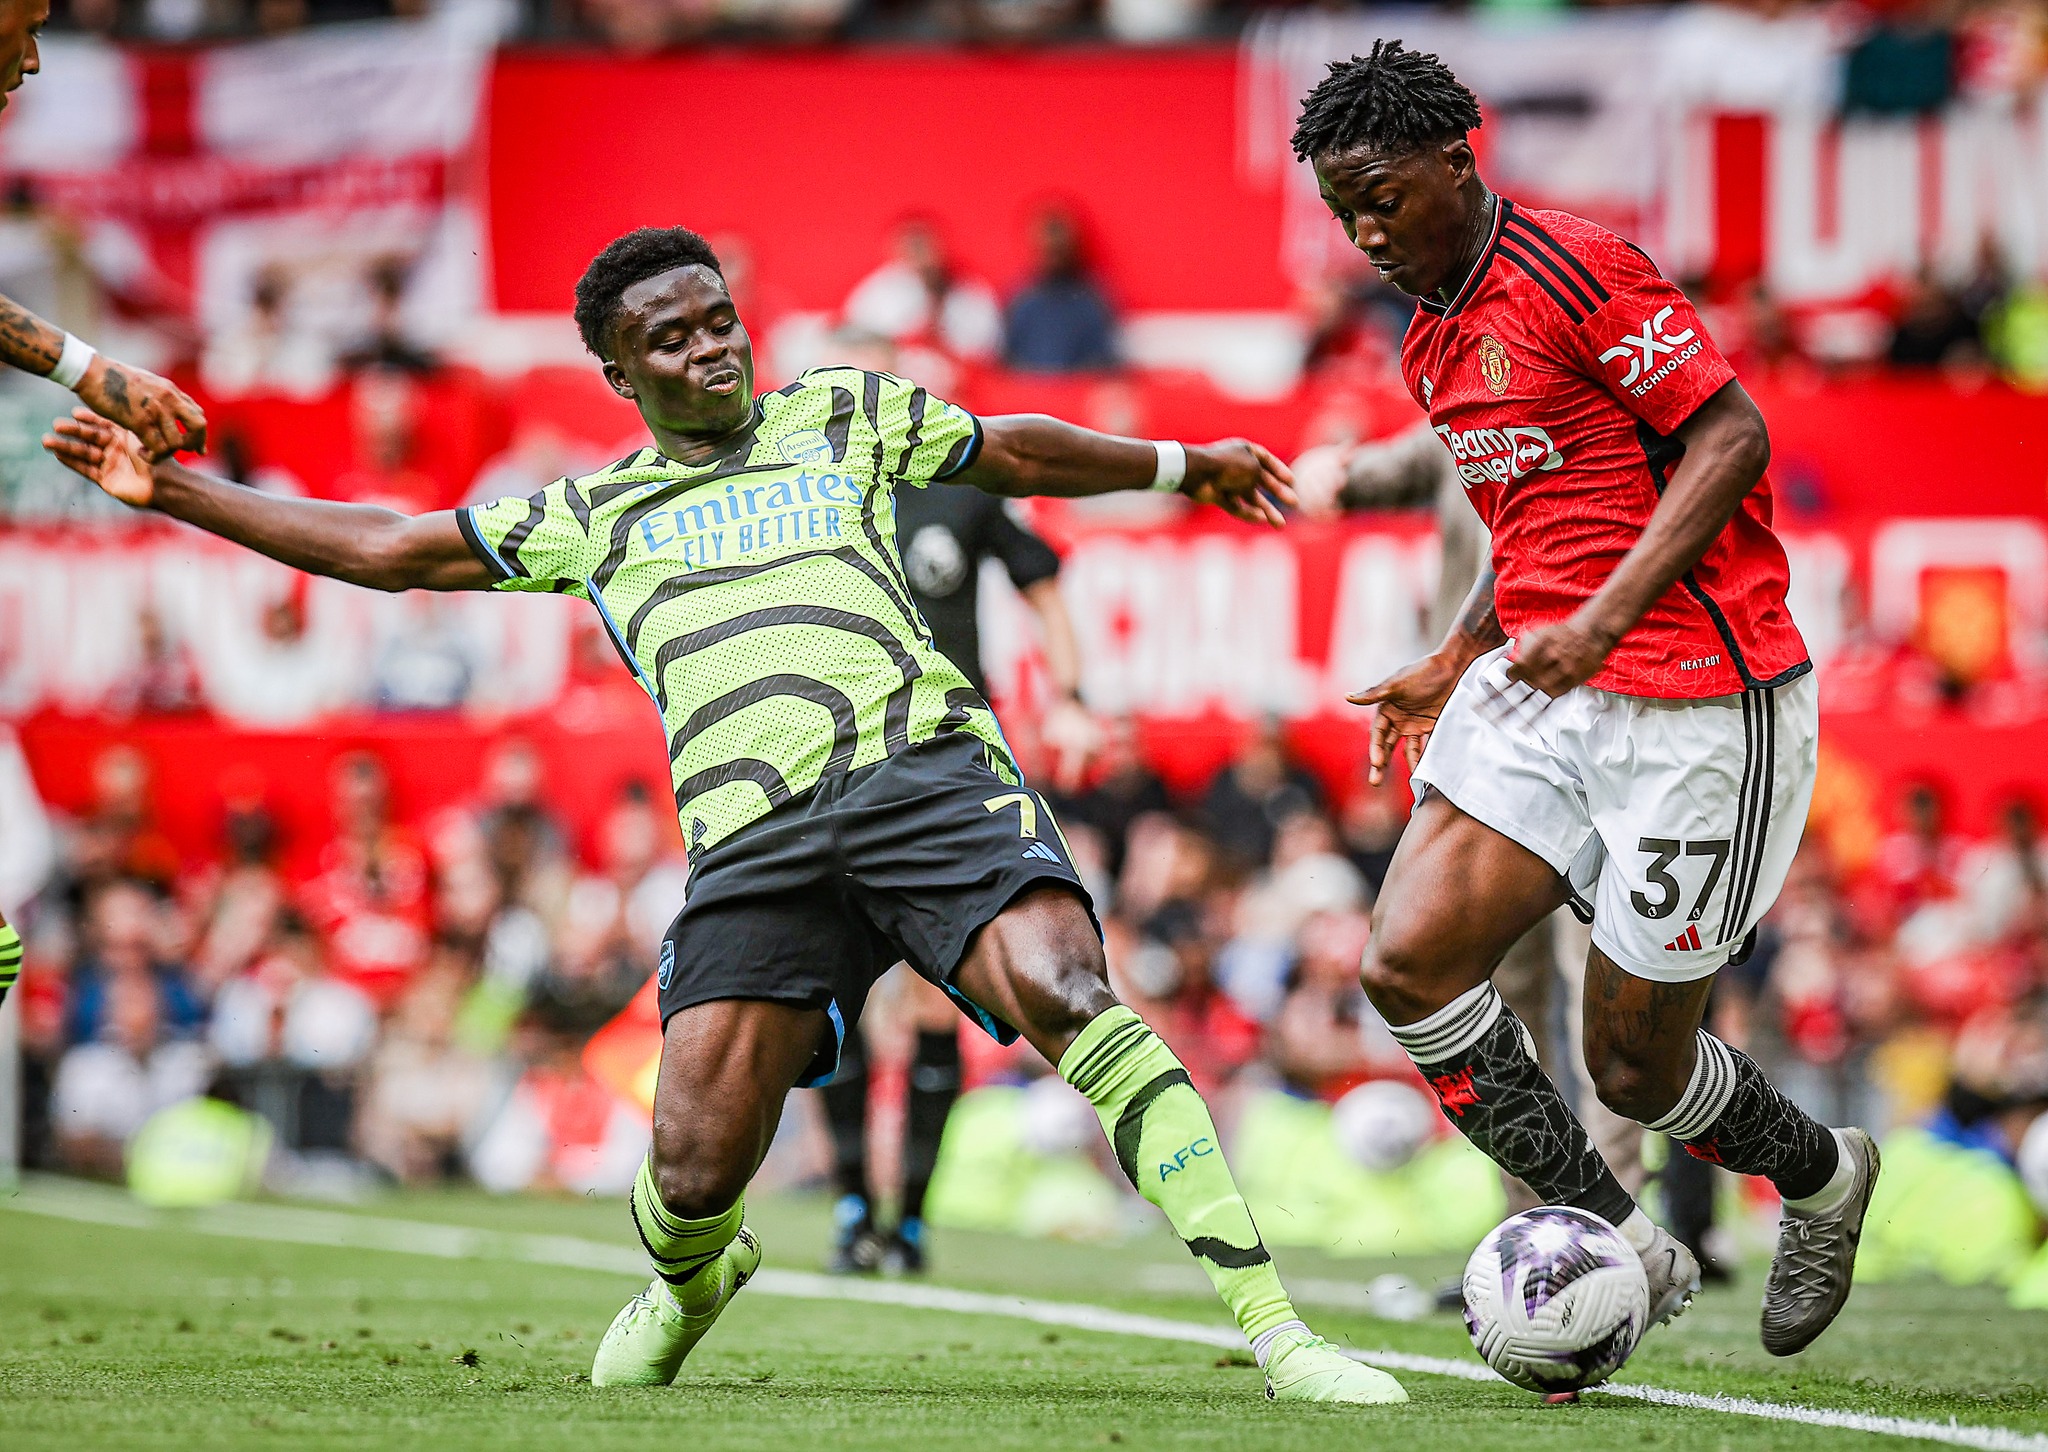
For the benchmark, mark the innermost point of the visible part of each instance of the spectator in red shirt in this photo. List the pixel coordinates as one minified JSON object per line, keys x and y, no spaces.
{"x":370,"y":898}
{"x":1922,"y":862}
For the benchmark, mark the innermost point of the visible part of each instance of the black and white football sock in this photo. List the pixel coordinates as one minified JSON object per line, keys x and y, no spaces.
{"x":1480,"y":1061}
{"x":1731,"y":1115}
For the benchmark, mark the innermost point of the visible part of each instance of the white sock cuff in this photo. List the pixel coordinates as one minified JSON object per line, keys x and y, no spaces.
{"x":1639,"y":1230}
{"x":1706,"y":1094}
{"x":1452,"y":1029}
{"x":1835,"y":1193}
{"x":1262,"y":1344}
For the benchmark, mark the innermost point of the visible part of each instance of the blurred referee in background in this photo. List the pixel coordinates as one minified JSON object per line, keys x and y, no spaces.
{"x":945,"y":536}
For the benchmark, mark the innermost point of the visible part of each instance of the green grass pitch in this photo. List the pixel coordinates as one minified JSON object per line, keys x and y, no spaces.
{"x":114,"y":1337}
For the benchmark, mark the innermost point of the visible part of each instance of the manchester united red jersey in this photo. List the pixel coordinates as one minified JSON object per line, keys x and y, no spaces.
{"x":1558,"y":377}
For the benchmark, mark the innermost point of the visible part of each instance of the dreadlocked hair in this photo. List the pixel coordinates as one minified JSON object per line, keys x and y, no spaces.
{"x":1394,"y":100}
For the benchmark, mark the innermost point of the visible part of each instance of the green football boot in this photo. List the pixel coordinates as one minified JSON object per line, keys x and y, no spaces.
{"x":650,"y":1337}
{"x":1302,"y":1367}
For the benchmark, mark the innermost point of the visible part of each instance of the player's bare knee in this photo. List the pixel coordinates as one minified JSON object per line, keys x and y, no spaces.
{"x":698,"y":1181}
{"x":699,"y":1160}
{"x":1400,"y":977}
{"x":1633,"y":1089}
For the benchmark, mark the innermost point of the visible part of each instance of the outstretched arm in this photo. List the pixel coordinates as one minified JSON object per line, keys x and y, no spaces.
{"x":136,"y":399}
{"x":1727,"y":448}
{"x":359,"y":543}
{"x":1407,"y":704}
{"x":1029,"y":453}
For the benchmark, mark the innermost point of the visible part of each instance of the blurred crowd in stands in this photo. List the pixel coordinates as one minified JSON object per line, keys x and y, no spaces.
{"x":426,"y":428}
{"x":412,"y":1006}
{"x":647,"y":25}
{"x":1902,"y":57}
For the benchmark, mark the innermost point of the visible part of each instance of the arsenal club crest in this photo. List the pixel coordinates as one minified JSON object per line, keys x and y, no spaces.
{"x":1493,"y":363}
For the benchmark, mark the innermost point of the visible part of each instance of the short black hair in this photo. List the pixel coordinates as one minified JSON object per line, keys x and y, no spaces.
{"x":1394,"y":100}
{"x":642,"y":253}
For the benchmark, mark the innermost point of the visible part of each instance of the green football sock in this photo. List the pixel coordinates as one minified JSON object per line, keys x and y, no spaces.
{"x":1167,"y":1144}
{"x":682,"y":1250}
{"x":10,"y":958}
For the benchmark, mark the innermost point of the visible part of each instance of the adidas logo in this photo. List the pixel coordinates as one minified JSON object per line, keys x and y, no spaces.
{"x":1043,"y":852}
{"x":1686,"y":942}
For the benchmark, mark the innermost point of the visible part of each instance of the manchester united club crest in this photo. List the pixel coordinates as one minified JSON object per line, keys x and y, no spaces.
{"x":1493,"y":363}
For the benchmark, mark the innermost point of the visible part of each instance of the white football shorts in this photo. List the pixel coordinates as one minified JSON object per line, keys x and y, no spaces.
{"x":1675,"y":820}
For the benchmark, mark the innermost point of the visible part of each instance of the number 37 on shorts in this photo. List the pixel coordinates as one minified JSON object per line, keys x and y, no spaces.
{"x":1701,"y":833}
{"x":1675,"y":821}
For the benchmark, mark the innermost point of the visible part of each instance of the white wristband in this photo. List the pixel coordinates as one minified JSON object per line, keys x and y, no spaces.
{"x":72,"y":363}
{"x":1173,"y":466}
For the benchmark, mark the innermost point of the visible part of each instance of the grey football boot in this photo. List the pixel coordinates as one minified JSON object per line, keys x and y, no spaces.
{"x":1674,"y":1276}
{"x":1810,"y":1274}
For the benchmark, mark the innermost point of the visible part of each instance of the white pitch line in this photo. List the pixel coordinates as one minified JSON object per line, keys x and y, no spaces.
{"x":69,"y":1200}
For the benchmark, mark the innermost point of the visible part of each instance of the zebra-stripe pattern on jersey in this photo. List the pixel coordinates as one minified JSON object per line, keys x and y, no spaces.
{"x":757,"y":596}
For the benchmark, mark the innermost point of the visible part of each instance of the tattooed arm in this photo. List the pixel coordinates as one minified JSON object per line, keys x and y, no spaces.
{"x":153,"y":408}
{"x":1408,"y":702}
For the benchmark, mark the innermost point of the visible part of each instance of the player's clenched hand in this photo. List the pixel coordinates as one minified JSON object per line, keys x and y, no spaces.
{"x":1241,"y":477}
{"x":1407,"y":705}
{"x":111,"y":457}
{"x":1555,"y":658}
{"x":153,"y":408}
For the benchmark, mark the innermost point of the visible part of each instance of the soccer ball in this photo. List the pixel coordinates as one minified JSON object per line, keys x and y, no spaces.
{"x":1555,"y":1299}
{"x":1384,"y":1124}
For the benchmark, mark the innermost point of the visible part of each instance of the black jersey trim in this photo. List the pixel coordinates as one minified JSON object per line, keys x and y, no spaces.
{"x":1530,"y":259}
{"x":1660,"y":452}
{"x":963,"y":454}
{"x":1750,"y":679}
{"x":1571,"y":307}
{"x":473,"y":537}
{"x":1544,"y":241}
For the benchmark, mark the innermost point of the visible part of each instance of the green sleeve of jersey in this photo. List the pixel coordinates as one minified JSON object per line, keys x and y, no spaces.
{"x":924,"y":437}
{"x":531,"y":544}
